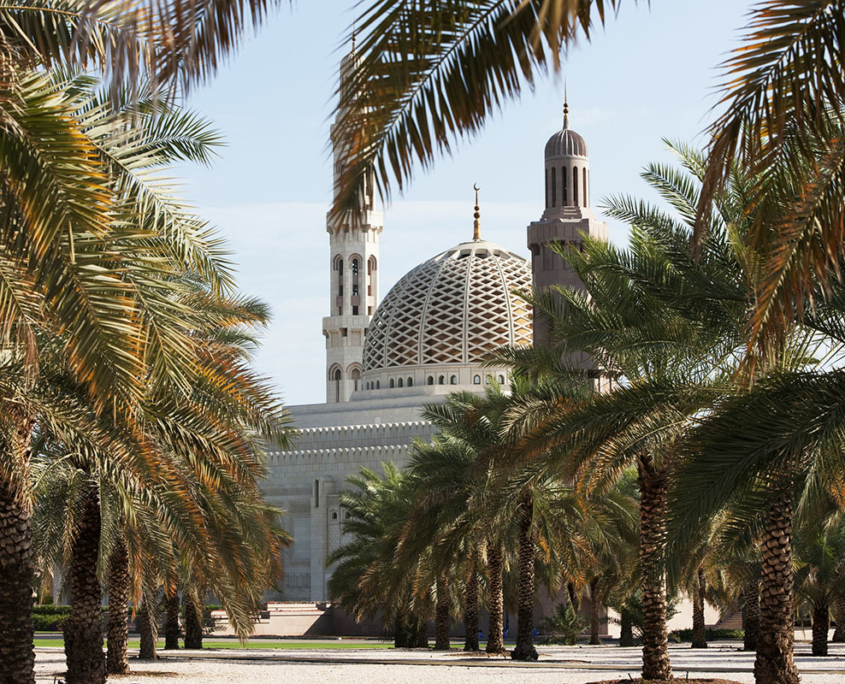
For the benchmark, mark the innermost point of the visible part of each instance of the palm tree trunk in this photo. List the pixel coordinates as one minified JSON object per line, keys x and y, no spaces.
{"x":17,"y":657}
{"x":524,"y":649}
{"x":471,"y":606}
{"x":653,"y":485}
{"x":148,"y":624}
{"x":626,"y":628}
{"x":839,"y":613}
{"x":821,"y":626}
{"x":193,"y":620}
{"x":421,"y":634}
{"x":594,"y":612}
{"x":751,"y":616}
{"x":441,"y":616}
{"x":83,"y":630}
{"x":117,"y":659}
{"x":775,"y":663}
{"x":699,"y":629}
{"x":171,"y":619}
{"x":495,"y":643}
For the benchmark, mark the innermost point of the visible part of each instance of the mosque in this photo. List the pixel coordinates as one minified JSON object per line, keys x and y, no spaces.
{"x":387,"y":358}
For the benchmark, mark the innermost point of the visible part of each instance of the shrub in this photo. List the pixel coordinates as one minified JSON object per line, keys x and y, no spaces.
{"x":49,"y":618}
{"x":680,"y":635}
{"x":564,"y":625}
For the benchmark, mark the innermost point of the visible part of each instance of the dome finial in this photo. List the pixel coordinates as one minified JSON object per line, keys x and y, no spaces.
{"x":476,"y":224}
{"x":565,"y":108}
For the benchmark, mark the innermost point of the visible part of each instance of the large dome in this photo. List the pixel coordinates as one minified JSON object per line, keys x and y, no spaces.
{"x":452,"y":309}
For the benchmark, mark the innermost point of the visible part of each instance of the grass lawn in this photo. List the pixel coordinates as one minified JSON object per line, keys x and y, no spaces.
{"x":254,"y":644}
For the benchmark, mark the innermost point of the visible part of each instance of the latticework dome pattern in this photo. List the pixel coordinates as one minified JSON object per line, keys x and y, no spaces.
{"x":452,"y":309}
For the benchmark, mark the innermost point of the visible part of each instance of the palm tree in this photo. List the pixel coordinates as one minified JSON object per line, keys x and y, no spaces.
{"x":171,"y":43}
{"x":366,"y":578}
{"x":819,"y":554}
{"x":782,"y":116}
{"x":672,"y":328}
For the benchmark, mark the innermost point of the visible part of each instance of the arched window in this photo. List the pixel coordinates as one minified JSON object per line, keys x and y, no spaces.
{"x":453,"y":380}
{"x":316,"y":493}
{"x":391,"y":383}
{"x":378,"y":384}
{"x":338,"y":376}
{"x":554,"y":186}
{"x":430,"y":380}
{"x":488,"y":380}
{"x":586,"y":204}
{"x":476,"y":380}
{"x":575,"y":185}
{"x":564,"y":191}
{"x":441,"y":380}
{"x":338,"y":265}
{"x":334,"y":515}
{"x":410,"y":382}
{"x":356,"y":377}
{"x":400,"y":383}
{"x":547,"y":188}
{"x":501,"y":379}
{"x":354,"y":267}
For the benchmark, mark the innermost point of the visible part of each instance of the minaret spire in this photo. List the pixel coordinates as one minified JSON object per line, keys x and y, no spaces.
{"x":476,"y":224}
{"x":565,"y":108}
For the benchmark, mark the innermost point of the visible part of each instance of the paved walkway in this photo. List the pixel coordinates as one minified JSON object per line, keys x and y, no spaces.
{"x":561,"y":665}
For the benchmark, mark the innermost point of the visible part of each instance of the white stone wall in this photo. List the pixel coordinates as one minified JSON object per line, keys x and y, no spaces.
{"x":306,"y":482}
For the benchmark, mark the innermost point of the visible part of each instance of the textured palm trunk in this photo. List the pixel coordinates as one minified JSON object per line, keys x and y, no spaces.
{"x":193,"y":620}
{"x":421,"y":634}
{"x":117,"y":658}
{"x":699,"y":629}
{"x":751,"y":616}
{"x":148,"y":625}
{"x":839,"y":614}
{"x":495,"y":643}
{"x":441,"y":616}
{"x":775,"y":663}
{"x":821,"y":625}
{"x":17,"y":657}
{"x":471,"y":606}
{"x":653,"y":486}
{"x":594,"y":612}
{"x":83,"y":630}
{"x":171,"y":619}
{"x":524,"y":649}
{"x":626,"y":628}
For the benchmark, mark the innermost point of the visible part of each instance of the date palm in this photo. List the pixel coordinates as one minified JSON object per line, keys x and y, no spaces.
{"x":366,"y":579}
{"x":782,"y":113}
{"x":673,"y":329}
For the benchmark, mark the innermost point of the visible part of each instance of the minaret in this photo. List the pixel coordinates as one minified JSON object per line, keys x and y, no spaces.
{"x":353,"y":293}
{"x":566,"y":218}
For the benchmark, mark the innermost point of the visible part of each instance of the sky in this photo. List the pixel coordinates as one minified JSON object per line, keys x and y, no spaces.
{"x":651,"y":74}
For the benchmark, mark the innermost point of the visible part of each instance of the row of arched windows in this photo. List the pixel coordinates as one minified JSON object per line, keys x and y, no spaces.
{"x":551,"y":187}
{"x":355,"y":268}
{"x":396,"y":383}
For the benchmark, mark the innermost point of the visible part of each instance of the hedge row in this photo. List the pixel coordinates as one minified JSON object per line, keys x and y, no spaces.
{"x":680,"y":635}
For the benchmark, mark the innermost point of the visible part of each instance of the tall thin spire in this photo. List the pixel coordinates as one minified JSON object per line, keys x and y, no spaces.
{"x":476,"y":224}
{"x":565,"y":108}
{"x":354,"y":37}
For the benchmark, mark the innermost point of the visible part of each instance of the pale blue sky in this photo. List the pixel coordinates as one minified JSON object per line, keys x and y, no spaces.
{"x":650,"y":74}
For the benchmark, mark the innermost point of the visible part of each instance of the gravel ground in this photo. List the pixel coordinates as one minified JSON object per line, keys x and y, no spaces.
{"x":560,"y":665}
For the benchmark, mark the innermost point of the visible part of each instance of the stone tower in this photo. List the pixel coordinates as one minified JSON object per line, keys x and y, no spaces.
{"x":567,"y":217}
{"x":353,"y":293}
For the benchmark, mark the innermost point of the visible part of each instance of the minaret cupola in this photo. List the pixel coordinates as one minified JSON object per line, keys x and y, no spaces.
{"x":567,"y":173}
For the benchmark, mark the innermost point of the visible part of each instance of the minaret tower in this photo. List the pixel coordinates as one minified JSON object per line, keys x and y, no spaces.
{"x":567,"y":216}
{"x":353,"y":293}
